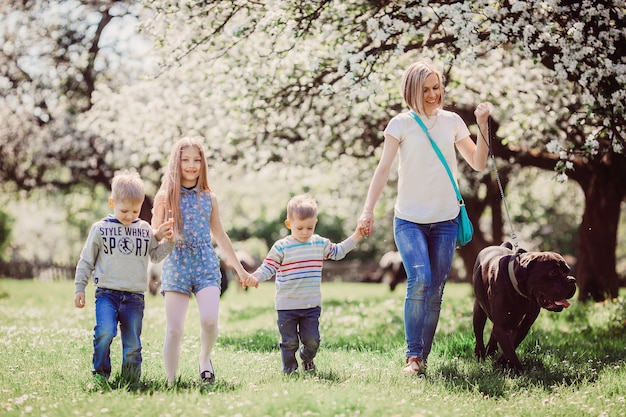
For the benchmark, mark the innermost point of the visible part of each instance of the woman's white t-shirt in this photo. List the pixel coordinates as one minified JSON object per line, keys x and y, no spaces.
{"x":425,"y":193}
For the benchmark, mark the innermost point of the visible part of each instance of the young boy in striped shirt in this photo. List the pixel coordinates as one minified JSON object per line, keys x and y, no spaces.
{"x":296,"y":261}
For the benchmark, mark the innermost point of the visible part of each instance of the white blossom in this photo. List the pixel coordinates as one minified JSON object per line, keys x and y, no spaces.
{"x":561,"y":178}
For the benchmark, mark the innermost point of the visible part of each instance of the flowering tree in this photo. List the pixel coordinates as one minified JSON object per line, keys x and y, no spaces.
{"x":53,"y":54}
{"x":50,"y":63}
{"x":304,"y":81}
{"x":292,"y":88}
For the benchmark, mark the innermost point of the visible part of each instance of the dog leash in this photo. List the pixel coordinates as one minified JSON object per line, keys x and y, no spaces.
{"x":495,"y":170}
{"x":511,"y":266}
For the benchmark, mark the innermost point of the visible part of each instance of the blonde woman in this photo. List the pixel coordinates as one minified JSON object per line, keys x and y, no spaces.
{"x":426,"y":209}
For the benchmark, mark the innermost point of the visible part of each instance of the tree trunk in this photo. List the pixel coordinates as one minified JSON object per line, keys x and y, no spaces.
{"x":596,"y":275}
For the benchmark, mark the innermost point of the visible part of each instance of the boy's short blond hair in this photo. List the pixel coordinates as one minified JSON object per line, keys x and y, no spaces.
{"x":127,"y":186}
{"x":301,"y":207}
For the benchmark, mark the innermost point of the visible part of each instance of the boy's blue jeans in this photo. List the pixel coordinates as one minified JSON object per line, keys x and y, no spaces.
{"x":125,"y":308}
{"x":295,"y":326}
{"x":426,"y":251}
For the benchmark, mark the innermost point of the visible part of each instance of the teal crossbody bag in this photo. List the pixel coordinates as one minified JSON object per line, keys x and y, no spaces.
{"x":466,"y":229}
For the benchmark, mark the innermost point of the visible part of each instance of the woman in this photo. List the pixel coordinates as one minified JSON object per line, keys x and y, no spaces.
{"x":426,"y":209}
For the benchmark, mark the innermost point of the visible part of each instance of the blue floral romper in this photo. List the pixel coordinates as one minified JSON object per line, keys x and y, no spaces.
{"x":193,"y":264}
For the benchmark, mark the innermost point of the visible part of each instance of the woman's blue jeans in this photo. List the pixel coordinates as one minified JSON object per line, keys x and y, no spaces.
{"x":427,"y":251}
{"x":125,"y":308}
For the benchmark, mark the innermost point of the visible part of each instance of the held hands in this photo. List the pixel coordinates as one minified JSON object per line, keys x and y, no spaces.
{"x":365,"y":224}
{"x":165,"y":230}
{"x":248,"y":280}
{"x":358,"y":234}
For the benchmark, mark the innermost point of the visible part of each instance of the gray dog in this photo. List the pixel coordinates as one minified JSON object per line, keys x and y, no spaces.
{"x":510,"y":289}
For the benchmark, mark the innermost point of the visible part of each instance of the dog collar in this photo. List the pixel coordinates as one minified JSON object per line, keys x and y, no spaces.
{"x":512,"y":276}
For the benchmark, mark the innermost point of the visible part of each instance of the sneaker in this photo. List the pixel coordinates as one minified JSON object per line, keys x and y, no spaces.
{"x":413,"y":365}
{"x":309,"y":366}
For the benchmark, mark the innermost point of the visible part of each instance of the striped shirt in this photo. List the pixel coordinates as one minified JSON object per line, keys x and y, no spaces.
{"x":297,"y":267}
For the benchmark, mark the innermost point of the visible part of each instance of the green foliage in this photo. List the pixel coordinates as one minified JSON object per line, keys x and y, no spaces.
{"x":267,"y":230}
{"x":545,"y":213}
{"x":5,"y":231}
{"x":57,"y":233}
{"x":574,"y":360}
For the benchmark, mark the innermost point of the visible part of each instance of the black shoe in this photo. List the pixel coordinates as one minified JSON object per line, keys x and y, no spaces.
{"x":290,"y":371}
{"x":208,"y":377}
{"x":309,"y":366}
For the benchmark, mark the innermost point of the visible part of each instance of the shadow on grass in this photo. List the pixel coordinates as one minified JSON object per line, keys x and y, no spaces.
{"x":326,"y":375}
{"x":151,"y":386}
{"x":571,"y":359}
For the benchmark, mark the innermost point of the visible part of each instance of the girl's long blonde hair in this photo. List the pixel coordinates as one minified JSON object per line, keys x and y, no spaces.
{"x":169,"y":192}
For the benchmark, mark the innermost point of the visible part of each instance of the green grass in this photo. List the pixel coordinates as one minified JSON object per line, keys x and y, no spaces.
{"x":574,"y":360}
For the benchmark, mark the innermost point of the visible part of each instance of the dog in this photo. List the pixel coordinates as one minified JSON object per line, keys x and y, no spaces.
{"x":392,"y":269}
{"x":511,"y":288}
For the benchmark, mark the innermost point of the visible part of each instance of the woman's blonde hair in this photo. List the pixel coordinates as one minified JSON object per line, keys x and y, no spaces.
{"x":412,"y":86}
{"x":169,"y":192}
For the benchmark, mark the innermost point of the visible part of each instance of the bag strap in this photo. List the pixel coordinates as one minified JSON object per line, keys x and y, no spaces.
{"x":441,"y":158}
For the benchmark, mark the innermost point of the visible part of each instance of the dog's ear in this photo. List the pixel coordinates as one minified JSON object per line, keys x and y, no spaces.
{"x":525,"y":263}
{"x":565,"y":267}
{"x":529,"y":258}
{"x":508,"y":245}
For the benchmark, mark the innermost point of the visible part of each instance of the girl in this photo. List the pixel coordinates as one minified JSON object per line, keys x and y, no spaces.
{"x":193,"y":266}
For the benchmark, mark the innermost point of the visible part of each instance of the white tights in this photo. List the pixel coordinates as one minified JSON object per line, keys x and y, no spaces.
{"x":176,"y":305}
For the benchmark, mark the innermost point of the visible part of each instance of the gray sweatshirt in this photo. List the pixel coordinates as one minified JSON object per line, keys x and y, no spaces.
{"x":116,"y":256}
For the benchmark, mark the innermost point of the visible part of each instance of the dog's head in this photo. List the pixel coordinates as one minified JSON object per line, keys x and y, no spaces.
{"x":548,"y":279}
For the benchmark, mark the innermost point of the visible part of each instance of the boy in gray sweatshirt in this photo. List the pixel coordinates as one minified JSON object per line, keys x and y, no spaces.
{"x":116,"y":255}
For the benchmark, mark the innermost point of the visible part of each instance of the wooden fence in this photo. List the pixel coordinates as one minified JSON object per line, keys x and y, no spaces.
{"x":43,"y":271}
